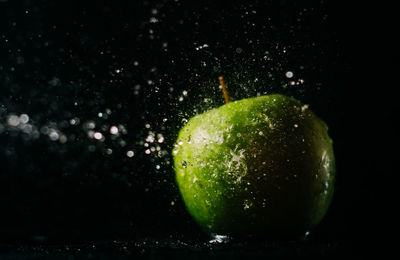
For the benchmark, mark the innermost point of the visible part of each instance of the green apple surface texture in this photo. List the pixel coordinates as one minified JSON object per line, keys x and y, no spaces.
{"x":258,"y":166}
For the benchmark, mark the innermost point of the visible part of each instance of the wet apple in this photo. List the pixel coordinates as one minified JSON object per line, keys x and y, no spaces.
{"x":258,"y":166}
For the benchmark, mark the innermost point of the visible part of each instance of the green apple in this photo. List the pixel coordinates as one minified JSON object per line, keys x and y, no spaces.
{"x":259,"y":166}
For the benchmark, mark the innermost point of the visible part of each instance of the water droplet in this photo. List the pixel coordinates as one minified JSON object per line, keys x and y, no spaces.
{"x":53,"y":135}
{"x":303,"y":108}
{"x":63,"y":139}
{"x":289,"y":74}
{"x":114,"y":130}
{"x":97,"y":135}
{"x":184,"y":164}
{"x":246,"y":204}
{"x":217,"y":239}
{"x":150,"y":138}
{"x":160,"y":138}
{"x":74,"y":121}
{"x":13,"y":120}
{"x":44,"y":130}
{"x":90,"y":125}
{"x":24,"y":118}
{"x":26,"y":128}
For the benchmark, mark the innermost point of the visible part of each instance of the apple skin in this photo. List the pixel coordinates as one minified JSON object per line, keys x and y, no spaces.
{"x":260,"y":166}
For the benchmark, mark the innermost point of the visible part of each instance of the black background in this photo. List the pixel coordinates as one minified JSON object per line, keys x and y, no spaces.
{"x":70,"y":59}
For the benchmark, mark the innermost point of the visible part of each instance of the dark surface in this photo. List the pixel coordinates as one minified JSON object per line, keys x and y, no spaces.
{"x":185,"y":249}
{"x":62,"y":60}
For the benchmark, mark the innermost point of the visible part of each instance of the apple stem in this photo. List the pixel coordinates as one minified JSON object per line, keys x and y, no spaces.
{"x":224,"y":89}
